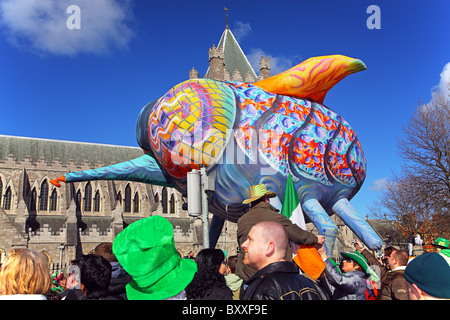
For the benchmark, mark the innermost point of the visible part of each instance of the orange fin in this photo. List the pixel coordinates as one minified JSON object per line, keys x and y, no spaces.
{"x":312,"y":78}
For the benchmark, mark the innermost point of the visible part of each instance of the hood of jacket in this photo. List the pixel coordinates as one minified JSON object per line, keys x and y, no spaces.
{"x":233,"y":281}
{"x":117,"y":270}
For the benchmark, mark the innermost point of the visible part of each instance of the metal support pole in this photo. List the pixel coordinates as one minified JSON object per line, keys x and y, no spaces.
{"x":204,"y":183}
{"x":61,"y":248}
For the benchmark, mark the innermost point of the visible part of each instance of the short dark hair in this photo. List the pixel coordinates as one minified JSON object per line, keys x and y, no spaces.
{"x":232,"y":261}
{"x":95,"y":275}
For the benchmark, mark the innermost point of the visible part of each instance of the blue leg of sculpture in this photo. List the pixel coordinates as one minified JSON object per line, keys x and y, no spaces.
{"x":355,"y":221}
{"x":144,"y":169}
{"x":317,"y":214}
{"x":215,"y":229}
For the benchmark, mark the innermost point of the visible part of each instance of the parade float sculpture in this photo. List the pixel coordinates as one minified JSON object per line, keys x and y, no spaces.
{"x":251,"y":133}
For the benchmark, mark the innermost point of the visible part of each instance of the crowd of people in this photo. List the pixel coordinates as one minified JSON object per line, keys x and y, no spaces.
{"x":142,"y":263}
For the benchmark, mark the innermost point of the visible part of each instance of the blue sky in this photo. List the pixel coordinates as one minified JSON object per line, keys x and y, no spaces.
{"x":90,"y":84}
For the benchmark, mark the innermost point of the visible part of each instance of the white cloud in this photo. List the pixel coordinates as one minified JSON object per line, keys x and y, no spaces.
{"x":444,"y":83}
{"x":440,"y":90}
{"x":41,"y":26}
{"x":241,"y":30}
{"x":379,"y":185}
{"x":277,"y":63}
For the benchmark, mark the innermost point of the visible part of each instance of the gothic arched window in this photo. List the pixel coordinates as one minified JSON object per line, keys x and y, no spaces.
{"x":97,"y":202}
{"x":43,"y":198}
{"x":172,"y":204}
{"x":7,"y":200}
{"x":127,"y":198}
{"x":136,"y":203}
{"x":53,"y":200}
{"x":88,"y":198}
{"x":164,"y":200}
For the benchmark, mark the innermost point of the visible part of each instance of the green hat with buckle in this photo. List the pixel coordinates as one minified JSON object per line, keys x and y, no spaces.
{"x":441,"y":243}
{"x":146,"y":250}
{"x":362,"y":262}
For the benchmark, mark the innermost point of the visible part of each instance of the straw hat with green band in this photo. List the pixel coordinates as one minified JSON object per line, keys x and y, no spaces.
{"x":362,"y":262}
{"x":258,"y":191}
{"x":146,"y":250}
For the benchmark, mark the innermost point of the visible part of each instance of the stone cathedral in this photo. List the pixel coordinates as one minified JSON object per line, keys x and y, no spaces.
{"x":66,"y":222}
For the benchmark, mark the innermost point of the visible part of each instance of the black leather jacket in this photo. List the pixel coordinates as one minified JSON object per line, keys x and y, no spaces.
{"x":281,"y":281}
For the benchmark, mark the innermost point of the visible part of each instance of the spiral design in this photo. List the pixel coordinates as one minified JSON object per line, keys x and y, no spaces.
{"x":190,"y":125}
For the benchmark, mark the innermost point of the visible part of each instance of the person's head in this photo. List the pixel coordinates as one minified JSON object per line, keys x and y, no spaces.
{"x":428,"y":277}
{"x":354,"y":261}
{"x":211,"y":266}
{"x":266,"y":243}
{"x":350,"y":265}
{"x":231,"y":264}
{"x":25,"y":272}
{"x":211,"y":261}
{"x":105,"y":250}
{"x":387,"y":253}
{"x":95,"y":275}
{"x":397,"y":258}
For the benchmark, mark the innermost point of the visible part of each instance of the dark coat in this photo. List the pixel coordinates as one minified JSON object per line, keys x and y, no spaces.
{"x":281,"y":281}
{"x":72,"y":294}
{"x":117,"y":285}
{"x":77,"y":294}
{"x":263,"y":211}
{"x":219,"y":293}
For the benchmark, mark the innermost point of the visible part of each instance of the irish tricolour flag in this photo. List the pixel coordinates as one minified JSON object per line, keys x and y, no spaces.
{"x":306,"y":257}
{"x":291,"y":208}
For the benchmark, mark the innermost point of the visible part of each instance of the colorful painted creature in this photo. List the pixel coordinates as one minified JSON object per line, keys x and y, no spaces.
{"x":251,"y":133}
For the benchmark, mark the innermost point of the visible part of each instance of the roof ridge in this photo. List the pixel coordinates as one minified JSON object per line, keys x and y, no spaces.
{"x":68,"y":141}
